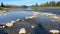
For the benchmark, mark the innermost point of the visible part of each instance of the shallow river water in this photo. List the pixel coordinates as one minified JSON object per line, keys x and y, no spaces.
{"x":42,"y":23}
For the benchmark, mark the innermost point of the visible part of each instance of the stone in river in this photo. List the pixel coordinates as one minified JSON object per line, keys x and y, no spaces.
{"x":22,"y":31}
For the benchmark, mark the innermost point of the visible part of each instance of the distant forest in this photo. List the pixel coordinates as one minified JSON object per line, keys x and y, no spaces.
{"x":51,"y":4}
{"x":48,"y":4}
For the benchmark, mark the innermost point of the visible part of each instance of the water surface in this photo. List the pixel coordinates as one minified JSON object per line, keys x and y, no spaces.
{"x":42,"y":23}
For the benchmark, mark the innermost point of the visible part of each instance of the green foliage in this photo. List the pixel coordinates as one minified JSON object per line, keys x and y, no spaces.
{"x":36,"y":4}
{"x":58,"y":3}
{"x":45,"y":4}
{"x":48,"y":4}
{"x":52,"y":3}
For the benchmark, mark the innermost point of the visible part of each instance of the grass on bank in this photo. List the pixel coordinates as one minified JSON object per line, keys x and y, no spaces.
{"x":34,"y":7}
{"x":44,"y":7}
{"x":2,"y":8}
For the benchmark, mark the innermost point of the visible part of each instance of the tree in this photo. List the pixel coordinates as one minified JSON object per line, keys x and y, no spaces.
{"x":46,"y":4}
{"x":52,"y":3}
{"x":36,"y":4}
{"x":58,"y":3}
{"x":42,"y":5}
{"x":2,"y":4}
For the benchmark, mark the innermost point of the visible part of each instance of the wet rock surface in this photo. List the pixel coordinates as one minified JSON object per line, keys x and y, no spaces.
{"x":39,"y":29}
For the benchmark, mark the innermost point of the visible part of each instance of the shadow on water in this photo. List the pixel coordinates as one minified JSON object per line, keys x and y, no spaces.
{"x":2,"y":31}
{"x":40,"y":30}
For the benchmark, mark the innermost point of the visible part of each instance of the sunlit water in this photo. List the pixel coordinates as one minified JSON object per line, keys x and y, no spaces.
{"x":44,"y":20}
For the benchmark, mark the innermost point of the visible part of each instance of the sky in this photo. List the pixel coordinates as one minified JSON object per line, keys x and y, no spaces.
{"x":25,"y":2}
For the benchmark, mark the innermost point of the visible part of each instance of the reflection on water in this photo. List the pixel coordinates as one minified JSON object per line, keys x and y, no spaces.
{"x":13,"y":16}
{"x":37,"y":22}
{"x":40,"y":30}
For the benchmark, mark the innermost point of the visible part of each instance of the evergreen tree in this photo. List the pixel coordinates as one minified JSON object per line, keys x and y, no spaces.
{"x":52,"y":3}
{"x":2,"y":4}
{"x":36,"y":4}
{"x":58,"y":3}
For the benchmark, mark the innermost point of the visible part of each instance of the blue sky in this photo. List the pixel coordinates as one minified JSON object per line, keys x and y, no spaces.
{"x":25,"y":2}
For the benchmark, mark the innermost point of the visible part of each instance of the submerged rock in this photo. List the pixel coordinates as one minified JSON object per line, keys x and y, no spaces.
{"x":2,"y":31}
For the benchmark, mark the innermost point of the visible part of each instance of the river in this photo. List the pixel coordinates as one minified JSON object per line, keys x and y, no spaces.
{"x":42,"y":22}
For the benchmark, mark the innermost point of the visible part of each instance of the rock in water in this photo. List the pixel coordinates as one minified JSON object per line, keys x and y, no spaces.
{"x":18,"y":20}
{"x":32,"y":26}
{"x":9,"y":24}
{"x":54,"y":31}
{"x":22,"y":31}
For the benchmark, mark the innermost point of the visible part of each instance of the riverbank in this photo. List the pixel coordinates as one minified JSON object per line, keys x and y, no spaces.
{"x":3,"y":8}
{"x":44,"y":7}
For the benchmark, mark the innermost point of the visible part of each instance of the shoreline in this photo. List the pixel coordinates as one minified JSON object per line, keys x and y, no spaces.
{"x":3,"y":8}
{"x":45,"y":7}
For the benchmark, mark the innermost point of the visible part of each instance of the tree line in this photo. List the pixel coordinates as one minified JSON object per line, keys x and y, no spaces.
{"x":49,"y":4}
